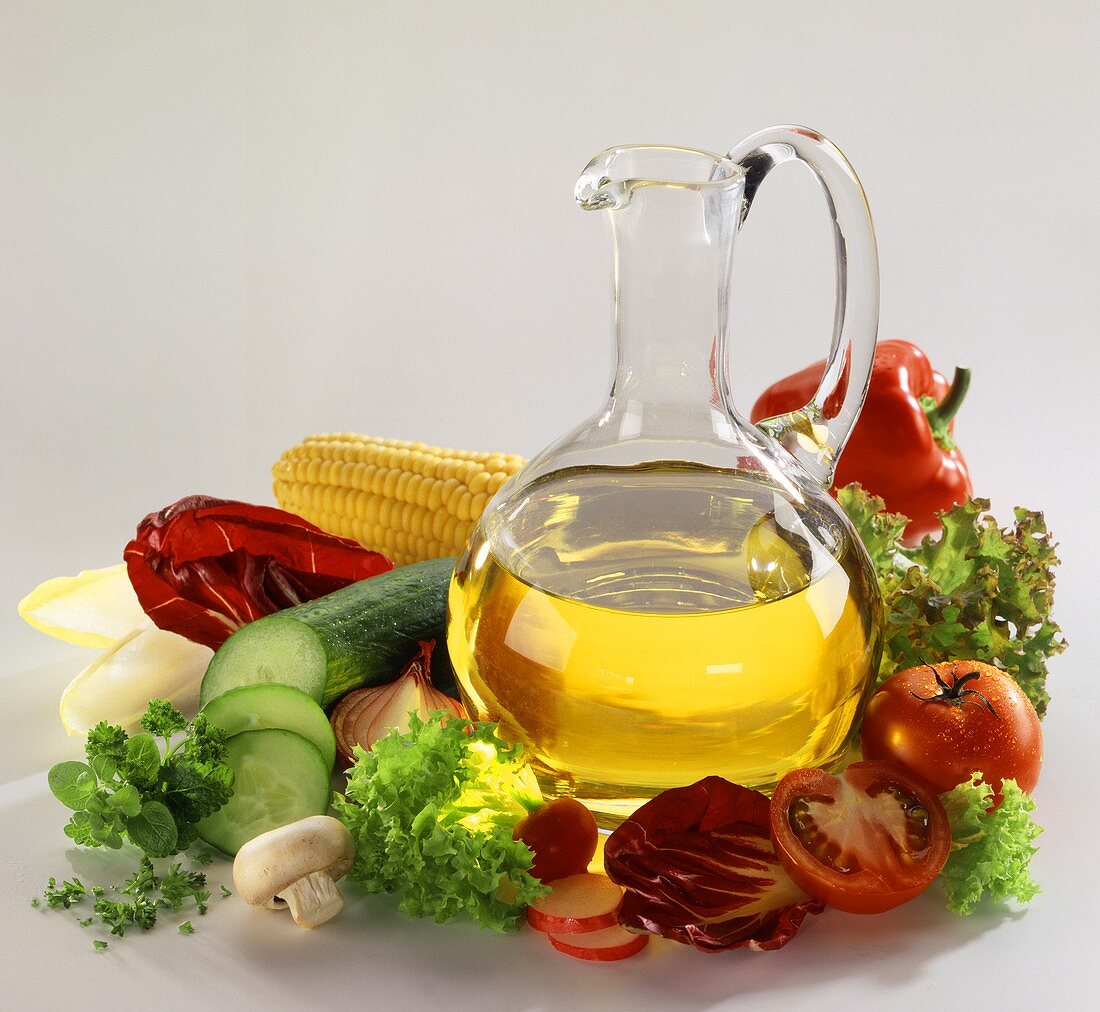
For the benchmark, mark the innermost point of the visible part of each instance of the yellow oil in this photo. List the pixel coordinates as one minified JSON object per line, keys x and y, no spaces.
{"x":640,"y":628}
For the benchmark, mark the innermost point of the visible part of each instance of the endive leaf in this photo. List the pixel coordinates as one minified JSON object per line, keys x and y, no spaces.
{"x":147,"y":663}
{"x":93,"y":609}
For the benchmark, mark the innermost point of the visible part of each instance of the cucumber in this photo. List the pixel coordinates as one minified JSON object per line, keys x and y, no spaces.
{"x":361,"y":635}
{"x":260,"y":707}
{"x":278,"y":778}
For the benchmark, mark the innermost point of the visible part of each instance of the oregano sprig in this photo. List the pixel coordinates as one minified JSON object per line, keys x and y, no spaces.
{"x":132,"y":788}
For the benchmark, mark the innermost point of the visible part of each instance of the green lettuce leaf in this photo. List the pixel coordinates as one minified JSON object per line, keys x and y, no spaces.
{"x":980,"y":592}
{"x":991,"y":851}
{"x":432,"y":813}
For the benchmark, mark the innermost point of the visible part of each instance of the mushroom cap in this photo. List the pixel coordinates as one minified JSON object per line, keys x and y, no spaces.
{"x":273,"y":861}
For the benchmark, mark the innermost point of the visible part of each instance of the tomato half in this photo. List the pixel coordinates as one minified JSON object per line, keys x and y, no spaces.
{"x":945,"y":721}
{"x":863,"y":842}
{"x":562,"y":834}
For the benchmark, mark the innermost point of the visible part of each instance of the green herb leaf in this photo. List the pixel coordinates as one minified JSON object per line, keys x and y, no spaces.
{"x":72,"y":783}
{"x":127,"y":800}
{"x":178,"y":885}
{"x":163,"y":719}
{"x":105,"y":740}
{"x":142,"y":762}
{"x":992,"y":851}
{"x":153,"y":830}
{"x":193,"y":790}
{"x":115,"y":914}
{"x":205,"y":743}
{"x":186,"y":928}
{"x":175,"y":887}
{"x":65,"y":895}
{"x":105,"y":767}
{"x":99,"y":945}
{"x":143,"y":881}
{"x":98,"y":828}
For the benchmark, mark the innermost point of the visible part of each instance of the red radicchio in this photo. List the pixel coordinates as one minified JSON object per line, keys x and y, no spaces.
{"x":698,"y":867}
{"x":203,"y":567}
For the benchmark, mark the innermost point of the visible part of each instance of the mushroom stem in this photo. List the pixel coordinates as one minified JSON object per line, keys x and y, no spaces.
{"x":296,"y":866}
{"x":313,"y":899}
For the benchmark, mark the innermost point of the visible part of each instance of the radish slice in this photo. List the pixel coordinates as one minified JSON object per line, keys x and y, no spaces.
{"x":601,"y":946}
{"x":579,"y":903}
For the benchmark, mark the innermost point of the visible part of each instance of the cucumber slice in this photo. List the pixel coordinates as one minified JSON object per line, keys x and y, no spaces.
{"x":279,"y":777}
{"x":261,"y":707}
{"x":361,"y":635}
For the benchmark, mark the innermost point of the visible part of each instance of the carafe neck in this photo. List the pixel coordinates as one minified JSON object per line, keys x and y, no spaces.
{"x":673,"y":247}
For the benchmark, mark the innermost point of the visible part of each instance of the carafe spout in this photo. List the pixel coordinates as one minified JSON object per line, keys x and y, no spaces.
{"x":612,"y":177}
{"x":674,"y":213}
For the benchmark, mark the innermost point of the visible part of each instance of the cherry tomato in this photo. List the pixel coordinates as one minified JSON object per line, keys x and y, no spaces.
{"x":562,"y":834}
{"x":865,"y":841}
{"x":947,"y":720}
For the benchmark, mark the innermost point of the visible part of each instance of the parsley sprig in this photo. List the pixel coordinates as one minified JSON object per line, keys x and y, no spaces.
{"x":148,"y":893}
{"x":132,"y":788}
{"x":65,"y":895}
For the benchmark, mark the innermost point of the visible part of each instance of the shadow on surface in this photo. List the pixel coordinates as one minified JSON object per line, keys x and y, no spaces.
{"x":32,"y":733}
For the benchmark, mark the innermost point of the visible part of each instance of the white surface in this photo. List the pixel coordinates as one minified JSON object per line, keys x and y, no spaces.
{"x":225,"y":225}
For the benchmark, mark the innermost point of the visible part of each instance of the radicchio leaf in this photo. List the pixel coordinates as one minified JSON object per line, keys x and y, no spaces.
{"x":203,"y":567}
{"x":697,"y":866}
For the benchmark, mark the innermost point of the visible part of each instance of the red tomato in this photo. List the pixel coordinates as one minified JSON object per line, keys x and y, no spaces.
{"x":562,"y":834}
{"x":947,"y":720}
{"x":863,"y":842}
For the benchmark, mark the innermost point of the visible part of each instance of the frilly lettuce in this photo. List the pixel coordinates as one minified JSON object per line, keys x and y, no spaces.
{"x":991,"y":850}
{"x":432,"y":813}
{"x":980,"y":591}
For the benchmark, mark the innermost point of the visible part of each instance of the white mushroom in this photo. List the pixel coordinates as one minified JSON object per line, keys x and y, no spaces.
{"x":296,"y":866}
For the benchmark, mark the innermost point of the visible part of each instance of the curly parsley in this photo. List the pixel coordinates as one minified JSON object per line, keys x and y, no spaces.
{"x":139,"y":899}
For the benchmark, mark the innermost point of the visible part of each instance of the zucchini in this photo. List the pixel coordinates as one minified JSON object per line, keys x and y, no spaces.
{"x":360,"y":635}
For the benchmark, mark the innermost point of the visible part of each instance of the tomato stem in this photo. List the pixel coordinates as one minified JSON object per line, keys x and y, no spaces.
{"x":954,"y":694}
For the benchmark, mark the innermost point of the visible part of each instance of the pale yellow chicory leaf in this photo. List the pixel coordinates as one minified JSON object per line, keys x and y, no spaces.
{"x":147,"y":663}
{"x":93,"y":609}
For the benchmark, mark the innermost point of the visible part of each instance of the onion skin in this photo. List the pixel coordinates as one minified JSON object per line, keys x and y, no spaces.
{"x":366,"y":715}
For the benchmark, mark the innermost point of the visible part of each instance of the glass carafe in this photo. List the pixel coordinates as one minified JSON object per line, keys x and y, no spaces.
{"x":669,"y":591}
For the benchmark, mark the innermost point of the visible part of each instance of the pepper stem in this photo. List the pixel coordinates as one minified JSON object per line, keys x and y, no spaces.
{"x":943,"y":412}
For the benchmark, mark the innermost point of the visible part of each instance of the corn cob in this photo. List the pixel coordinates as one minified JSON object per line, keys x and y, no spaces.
{"x":407,"y":500}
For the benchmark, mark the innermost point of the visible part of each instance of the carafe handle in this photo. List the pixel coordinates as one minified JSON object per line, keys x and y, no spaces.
{"x":816,"y":433}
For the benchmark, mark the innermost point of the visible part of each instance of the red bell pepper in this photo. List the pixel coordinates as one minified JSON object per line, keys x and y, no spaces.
{"x":901,"y":447}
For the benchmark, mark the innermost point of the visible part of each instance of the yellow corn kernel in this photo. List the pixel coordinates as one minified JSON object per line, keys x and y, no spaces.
{"x":409,"y":500}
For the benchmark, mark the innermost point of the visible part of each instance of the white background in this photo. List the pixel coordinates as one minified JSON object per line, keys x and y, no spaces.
{"x":226,"y":225}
